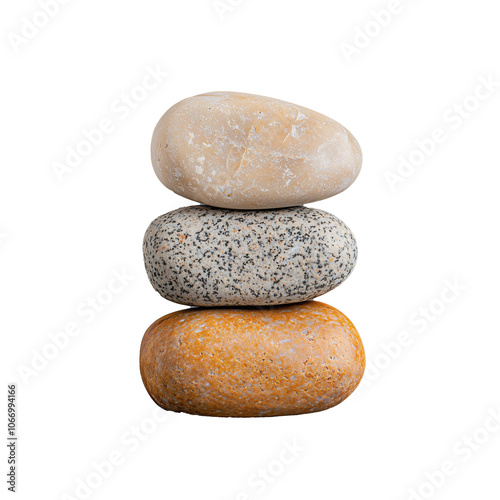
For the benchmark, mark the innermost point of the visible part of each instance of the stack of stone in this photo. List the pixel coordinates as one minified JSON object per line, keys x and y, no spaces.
{"x":250,"y":258}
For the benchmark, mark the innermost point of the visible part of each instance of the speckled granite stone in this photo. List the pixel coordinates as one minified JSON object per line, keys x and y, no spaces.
{"x":205,"y":256}
{"x":245,"y":151}
{"x":251,"y":362}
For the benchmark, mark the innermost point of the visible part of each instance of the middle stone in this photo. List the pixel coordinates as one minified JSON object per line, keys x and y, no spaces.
{"x":204,"y":256}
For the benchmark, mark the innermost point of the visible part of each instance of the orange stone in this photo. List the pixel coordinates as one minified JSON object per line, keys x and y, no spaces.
{"x":252,"y":362}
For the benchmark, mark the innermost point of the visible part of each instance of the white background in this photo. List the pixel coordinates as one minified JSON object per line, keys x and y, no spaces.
{"x":62,"y":240}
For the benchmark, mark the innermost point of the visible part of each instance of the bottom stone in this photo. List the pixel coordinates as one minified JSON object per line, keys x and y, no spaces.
{"x":252,"y":362}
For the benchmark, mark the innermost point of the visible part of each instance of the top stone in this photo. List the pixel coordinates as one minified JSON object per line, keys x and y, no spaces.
{"x":245,"y":151}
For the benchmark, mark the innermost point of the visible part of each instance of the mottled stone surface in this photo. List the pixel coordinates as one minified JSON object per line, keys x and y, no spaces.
{"x":250,"y":362}
{"x":245,"y":151}
{"x":205,"y":256}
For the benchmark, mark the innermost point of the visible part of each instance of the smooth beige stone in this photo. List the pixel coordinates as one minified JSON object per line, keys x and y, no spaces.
{"x":245,"y":151}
